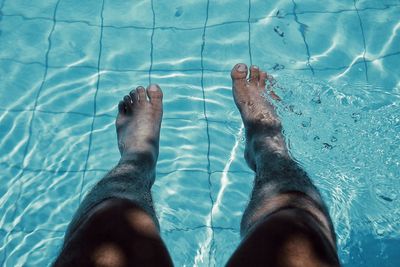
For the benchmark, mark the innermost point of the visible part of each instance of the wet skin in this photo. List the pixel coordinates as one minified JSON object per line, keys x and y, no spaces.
{"x":285,"y":224}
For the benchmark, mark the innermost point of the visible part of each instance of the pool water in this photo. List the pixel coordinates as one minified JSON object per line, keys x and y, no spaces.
{"x":65,"y":64}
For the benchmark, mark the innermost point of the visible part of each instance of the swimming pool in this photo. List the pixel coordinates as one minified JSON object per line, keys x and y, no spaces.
{"x":65,"y":64}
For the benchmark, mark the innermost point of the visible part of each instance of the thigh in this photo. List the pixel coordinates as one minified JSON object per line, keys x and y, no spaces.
{"x":287,"y":237}
{"x":117,"y":233}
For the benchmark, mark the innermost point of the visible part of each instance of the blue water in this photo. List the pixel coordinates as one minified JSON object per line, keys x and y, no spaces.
{"x":64,"y":65}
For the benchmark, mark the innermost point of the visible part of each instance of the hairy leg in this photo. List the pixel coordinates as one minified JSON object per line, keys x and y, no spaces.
{"x":116,"y":224}
{"x":286,"y":222}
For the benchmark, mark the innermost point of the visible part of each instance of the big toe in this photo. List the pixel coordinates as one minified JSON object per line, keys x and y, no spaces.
{"x":155,"y":94}
{"x":239,"y":72}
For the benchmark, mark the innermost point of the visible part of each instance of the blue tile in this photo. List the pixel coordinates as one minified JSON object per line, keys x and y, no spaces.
{"x":261,"y":9}
{"x":371,"y":4}
{"x":315,"y":6}
{"x":177,"y":147}
{"x":282,"y":43}
{"x":175,"y":13}
{"x":36,"y":248}
{"x":72,"y":10}
{"x":355,"y":72}
{"x":226,"y":142}
{"x":126,"y":49}
{"x":74,"y":44}
{"x":178,"y":88}
{"x":173,"y":51}
{"x":24,"y":40}
{"x":237,"y":11}
{"x":224,"y":121}
{"x":381,"y":31}
{"x":90,"y":180}
{"x":384,"y":73}
{"x":226,"y":242}
{"x":10,"y":193}
{"x":14,"y":134}
{"x":114,"y":86}
{"x":122,"y":13}
{"x":104,"y":153}
{"x":48,"y":200}
{"x":371,"y":250}
{"x":31,"y":9}
{"x":183,"y":145}
{"x":225,"y":46}
{"x":332,"y":48}
{"x":219,"y":97}
{"x":23,"y":81}
{"x":3,"y":240}
{"x":62,"y":85}
{"x":231,"y":194}
{"x":185,"y":246}
{"x":9,"y":185}
{"x":58,"y":141}
{"x":182,"y":199}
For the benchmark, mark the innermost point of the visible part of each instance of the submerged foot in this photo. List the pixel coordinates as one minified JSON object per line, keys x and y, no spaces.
{"x":138,"y":124}
{"x":263,"y":127}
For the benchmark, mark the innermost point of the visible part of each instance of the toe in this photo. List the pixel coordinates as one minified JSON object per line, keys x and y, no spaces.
{"x":154,"y":93}
{"x":128,"y":104}
{"x":254,"y":75}
{"x":263,"y":77}
{"x":239,"y":72}
{"x":121,"y":107}
{"x":141,"y":94}
{"x":134,"y":96}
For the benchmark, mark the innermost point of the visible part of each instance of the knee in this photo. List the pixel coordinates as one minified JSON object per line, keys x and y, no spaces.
{"x":294,"y":238}
{"x":108,"y":255}
{"x":125,"y":214}
{"x":117,"y":232}
{"x":295,"y":200}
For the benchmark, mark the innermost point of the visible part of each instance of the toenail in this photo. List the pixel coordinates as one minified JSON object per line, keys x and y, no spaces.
{"x":154,"y":87}
{"x":255,"y":67}
{"x":241,"y":67}
{"x":140,"y":88}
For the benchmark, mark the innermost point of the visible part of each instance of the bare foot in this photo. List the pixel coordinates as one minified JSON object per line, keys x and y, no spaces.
{"x":263,"y":127}
{"x":138,"y":124}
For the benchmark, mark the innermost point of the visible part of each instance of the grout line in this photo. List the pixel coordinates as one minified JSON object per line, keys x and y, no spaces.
{"x":94,"y":103}
{"x":363,"y":37}
{"x":7,"y":165}
{"x":151,"y":41}
{"x":188,"y":119}
{"x":201,"y":249}
{"x":255,"y":20}
{"x":111,"y":69}
{"x":302,"y":29}
{"x":190,"y":70}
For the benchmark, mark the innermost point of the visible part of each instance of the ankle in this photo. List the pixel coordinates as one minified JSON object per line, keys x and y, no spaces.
{"x":270,"y":144}
{"x":139,"y":162}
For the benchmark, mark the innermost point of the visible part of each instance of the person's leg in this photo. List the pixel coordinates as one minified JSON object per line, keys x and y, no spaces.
{"x":115,"y":224}
{"x":286,"y":222}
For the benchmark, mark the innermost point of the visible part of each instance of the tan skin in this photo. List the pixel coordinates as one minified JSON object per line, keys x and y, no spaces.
{"x":284,"y":225}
